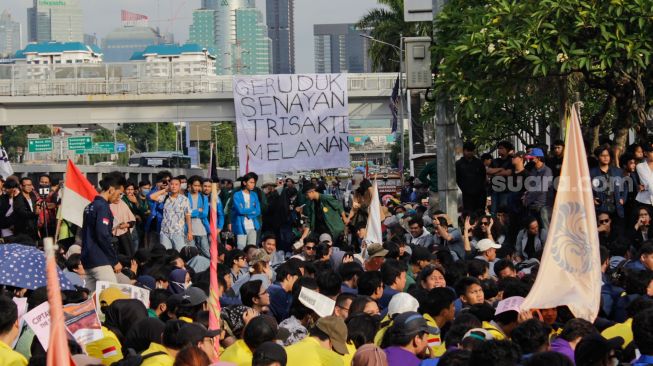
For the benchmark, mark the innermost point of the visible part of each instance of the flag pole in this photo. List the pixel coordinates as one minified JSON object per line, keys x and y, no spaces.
{"x":214,"y":301}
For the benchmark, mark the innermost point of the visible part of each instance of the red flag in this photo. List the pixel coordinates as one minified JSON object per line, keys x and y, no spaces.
{"x":58,"y":352}
{"x":128,"y":16}
{"x":214,"y":300}
{"x":78,"y":193}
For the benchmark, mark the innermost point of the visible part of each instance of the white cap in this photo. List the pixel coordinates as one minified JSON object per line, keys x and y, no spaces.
{"x":401,"y":303}
{"x":325,"y":237}
{"x":485,"y":244}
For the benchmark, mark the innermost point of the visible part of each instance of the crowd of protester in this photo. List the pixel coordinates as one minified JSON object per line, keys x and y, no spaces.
{"x":430,"y":293}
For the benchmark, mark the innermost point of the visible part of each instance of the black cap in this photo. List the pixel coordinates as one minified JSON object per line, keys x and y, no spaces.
{"x":593,"y":348}
{"x":270,"y":352}
{"x":193,"y":296}
{"x":194,"y":333}
{"x":412,"y":323}
{"x":648,"y":147}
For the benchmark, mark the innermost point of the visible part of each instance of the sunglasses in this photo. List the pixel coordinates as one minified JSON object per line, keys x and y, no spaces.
{"x":310,"y":248}
{"x":485,"y":223}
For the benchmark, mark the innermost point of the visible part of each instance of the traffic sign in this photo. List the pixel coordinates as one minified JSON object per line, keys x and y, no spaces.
{"x":121,"y":147}
{"x":79,"y":143}
{"x":101,"y":148}
{"x":39,"y":145}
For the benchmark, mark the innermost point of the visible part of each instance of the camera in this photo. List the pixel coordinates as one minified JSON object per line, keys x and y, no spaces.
{"x":44,"y":191}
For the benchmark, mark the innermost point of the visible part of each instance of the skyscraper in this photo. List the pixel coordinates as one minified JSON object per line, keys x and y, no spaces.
{"x":55,"y":20}
{"x":251,"y":51}
{"x":281,"y":30}
{"x":239,"y":35}
{"x":10,"y":35}
{"x":340,"y":48}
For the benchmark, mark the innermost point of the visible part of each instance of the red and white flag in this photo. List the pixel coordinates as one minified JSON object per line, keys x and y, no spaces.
{"x":58,"y":352}
{"x":78,"y":193}
{"x":127,"y":16}
{"x":570,"y":272}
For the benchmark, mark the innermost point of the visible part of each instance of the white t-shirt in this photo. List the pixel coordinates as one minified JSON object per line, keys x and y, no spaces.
{"x":249,"y":224}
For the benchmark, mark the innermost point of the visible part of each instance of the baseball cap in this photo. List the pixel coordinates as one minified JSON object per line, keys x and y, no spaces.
{"x":194,"y":333}
{"x":325,"y":237}
{"x":479,"y":333}
{"x":376,"y":250}
{"x":592,"y":348}
{"x":485,"y":244}
{"x":270,"y":352}
{"x":401,"y":303}
{"x":536,"y":152}
{"x":193,"y":296}
{"x":412,"y":323}
{"x":111,"y":294}
{"x":336,"y":329}
{"x":260,"y":255}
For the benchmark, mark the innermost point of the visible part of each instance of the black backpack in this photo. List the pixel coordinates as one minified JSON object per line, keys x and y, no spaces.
{"x":135,"y":359}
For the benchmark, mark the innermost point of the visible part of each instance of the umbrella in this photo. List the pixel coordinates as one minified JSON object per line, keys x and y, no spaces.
{"x":24,"y":267}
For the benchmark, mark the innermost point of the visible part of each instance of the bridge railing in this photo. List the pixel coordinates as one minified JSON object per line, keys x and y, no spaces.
{"x":137,"y":78}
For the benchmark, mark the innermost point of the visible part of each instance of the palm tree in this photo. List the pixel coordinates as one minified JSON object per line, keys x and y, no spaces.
{"x":386,"y":24}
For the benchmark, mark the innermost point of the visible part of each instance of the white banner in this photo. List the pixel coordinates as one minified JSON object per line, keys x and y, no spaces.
{"x":292,"y":122}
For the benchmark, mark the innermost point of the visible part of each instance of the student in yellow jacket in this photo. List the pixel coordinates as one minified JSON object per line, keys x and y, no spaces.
{"x":325,"y":345}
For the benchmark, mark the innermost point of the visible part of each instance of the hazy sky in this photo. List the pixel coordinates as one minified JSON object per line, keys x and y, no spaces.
{"x":102,"y":16}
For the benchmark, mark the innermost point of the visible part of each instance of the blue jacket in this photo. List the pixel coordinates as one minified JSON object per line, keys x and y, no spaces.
{"x":616,"y":185}
{"x":239,"y":212}
{"x":156,"y":211}
{"x":195,"y":212}
{"x":97,"y":247}
{"x":220,"y":212}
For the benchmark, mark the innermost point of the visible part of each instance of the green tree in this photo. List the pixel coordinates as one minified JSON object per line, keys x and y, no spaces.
{"x":144,"y":136}
{"x":15,"y":137}
{"x":386,"y":24}
{"x":488,"y":52}
{"x":225,"y":137}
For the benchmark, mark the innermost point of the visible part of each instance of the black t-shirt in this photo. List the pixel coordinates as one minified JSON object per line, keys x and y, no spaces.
{"x":320,"y":221}
{"x":505,"y":163}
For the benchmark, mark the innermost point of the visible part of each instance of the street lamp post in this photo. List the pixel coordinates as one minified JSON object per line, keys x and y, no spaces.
{"x":400,"y":51}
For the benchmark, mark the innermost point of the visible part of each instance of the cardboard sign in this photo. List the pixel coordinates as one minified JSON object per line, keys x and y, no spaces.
{"x":133,"y":292}
{"x":82,"y":322}
{"x":320,"y":304}
{"x":292,"y":122}
{"x":38,"y":319}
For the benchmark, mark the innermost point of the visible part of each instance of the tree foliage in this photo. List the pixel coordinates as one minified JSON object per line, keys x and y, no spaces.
{"x":488,"y":53}
{"x":387,"y":24}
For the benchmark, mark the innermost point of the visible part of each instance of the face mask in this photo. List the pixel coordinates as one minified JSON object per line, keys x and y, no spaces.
{"x":400,"y":215}
{"x":145,"y":192}
{"x":184,"y":186}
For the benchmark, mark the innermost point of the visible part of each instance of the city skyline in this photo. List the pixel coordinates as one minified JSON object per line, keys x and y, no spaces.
{"x":100,"y":18}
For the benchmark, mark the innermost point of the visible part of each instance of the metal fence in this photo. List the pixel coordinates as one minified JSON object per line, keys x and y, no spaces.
{"x":137,"y":78}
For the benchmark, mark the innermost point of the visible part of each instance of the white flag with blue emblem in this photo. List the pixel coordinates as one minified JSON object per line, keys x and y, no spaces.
{"x":570,"y":272}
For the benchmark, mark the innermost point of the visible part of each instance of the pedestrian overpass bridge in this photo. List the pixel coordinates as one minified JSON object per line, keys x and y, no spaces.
{"x":145,"y":92}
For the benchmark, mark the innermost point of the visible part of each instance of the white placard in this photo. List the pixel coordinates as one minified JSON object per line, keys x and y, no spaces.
{"x":133,"y":292}
{"x":38,"y":319}
{"x":320,"y":304}
{"x":292,"y":122}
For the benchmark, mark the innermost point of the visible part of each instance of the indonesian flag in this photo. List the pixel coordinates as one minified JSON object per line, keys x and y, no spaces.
{"x":570,"y":273}
{"x":374,"y":232}
{"x":58,"y":352}
{"x":78,"y":193}
{"x":128,"y":16}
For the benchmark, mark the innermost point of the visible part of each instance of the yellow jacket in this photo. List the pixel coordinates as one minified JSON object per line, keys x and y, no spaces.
{"x":9,"y":357}
{"x":309,"y":352}
{"x":158,"y":360}
{"x":108,"y":349}
{"x":238,"y":353}
{"x":623,"y":330}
